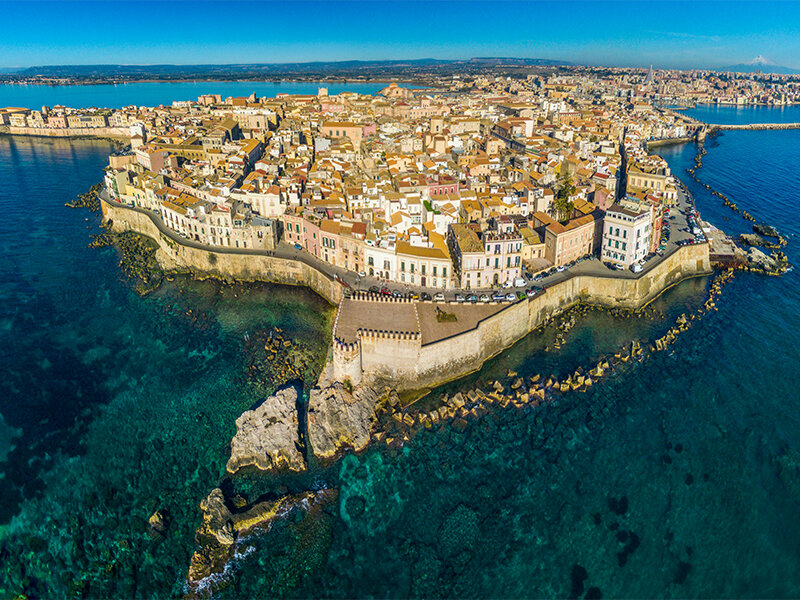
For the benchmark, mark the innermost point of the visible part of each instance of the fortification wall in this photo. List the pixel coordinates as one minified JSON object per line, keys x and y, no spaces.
{"x":103,"y":132}
{"x":173,"y":255}
{"x":410,"y":365}
{"x":400,"y":358}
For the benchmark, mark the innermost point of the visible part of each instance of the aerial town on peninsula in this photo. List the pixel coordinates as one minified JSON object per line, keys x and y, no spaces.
{"x":431,"y":190}
{"x":444,"y":219}
{"x":476,"y":195}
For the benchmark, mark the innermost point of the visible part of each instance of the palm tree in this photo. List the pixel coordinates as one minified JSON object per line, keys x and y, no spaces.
{"x":563,"y":206}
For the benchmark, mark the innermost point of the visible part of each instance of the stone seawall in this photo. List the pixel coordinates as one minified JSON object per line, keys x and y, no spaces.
{"x":99,"y":132}
{"x":754,"y":126}
{"x":669,"y":142}
{"x":176,"y":254}
{"x":403,"y":361}
{"x":408,"y":364}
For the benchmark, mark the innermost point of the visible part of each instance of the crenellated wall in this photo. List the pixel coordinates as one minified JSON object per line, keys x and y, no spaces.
{"x":408,"y":364}
{"x":400,"y":358}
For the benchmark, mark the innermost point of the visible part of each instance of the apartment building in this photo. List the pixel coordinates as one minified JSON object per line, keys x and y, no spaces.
{"x":626,"y":235}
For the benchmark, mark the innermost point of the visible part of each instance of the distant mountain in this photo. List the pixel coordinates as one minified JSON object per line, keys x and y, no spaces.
{"x":527,"y":62}
{"x":760,"y":64}
{"x":351,"y":68}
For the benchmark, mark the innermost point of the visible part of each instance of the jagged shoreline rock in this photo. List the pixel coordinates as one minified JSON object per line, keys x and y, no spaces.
{"x":268,"y":437}
{"x":137,"y":258}
{"x":338,"y":418}
{"x":222,"y":529}
{"x":88,"y":199}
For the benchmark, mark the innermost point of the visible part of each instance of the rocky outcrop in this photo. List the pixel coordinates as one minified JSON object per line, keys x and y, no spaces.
{"x":215,"y":537}
{"x":88,"y":200}
{"x":221,"y":530}
{"x":338,"y":418}
{"x":137,"y":258}
{"x":268,"y":436}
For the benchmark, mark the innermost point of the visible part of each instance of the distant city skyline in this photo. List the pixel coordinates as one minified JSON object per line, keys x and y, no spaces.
{"x":665,"y":34}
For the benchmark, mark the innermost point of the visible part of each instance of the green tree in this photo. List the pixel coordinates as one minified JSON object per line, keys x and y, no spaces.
{"x":563,"y":206}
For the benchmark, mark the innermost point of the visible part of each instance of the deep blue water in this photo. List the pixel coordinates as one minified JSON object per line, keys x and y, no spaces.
{"x":111,"y":405}
{"x":156,"y":93}
{"x":676,"y":477}
{"x":729,"y":115}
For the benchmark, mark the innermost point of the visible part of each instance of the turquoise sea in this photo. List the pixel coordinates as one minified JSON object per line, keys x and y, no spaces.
{"x":154,"y":94}
{"x":677,"y":477}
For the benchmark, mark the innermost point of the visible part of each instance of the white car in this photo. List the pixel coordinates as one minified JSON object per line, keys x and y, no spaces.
{"x":438,"y":297}
{"x":520,"y":282}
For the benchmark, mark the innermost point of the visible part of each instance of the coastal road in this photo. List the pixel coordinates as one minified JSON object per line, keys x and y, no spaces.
{"x":593,"y":266}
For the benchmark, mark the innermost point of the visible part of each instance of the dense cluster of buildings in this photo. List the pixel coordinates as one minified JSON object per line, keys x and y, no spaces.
{"x":440,"y":190}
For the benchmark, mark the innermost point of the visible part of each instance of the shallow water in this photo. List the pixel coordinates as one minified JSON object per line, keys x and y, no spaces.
{"x":123,"y":404}
{"x":677,"y":477}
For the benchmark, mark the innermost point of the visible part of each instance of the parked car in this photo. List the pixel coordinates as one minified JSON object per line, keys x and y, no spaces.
{"x":298,"y":247}
{"x":397,"y":294}
{"x":521,"y":295}
{"x":472,"y":298}
{"x":459,"y":298}
{"x":499,"y":297}
{"x":438,"y":297}
{"x":561,"y":268}
{"x":539,"y":277}
{"x":425,"y":297}
{"x":362,"y":274}
{"x":510,"y":297}
{"x":374,"y":289}
{"x":385,"y":291}
{"x":636,"y":268}
{"x":485,"y":298}
{"x":508,"y":284}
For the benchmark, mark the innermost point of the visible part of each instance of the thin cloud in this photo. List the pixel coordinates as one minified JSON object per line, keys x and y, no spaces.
{"x":687,"y":36}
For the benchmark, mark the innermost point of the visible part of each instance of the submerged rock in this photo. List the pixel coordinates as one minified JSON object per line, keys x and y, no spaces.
{"x":338,"y":418}
{"x":268,"y":436}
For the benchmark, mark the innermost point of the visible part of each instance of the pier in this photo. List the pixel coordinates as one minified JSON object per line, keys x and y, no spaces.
{"x":753,"y":126}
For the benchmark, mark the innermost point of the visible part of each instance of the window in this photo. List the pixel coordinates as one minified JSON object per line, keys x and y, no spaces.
{"x":412,"y":270}
{"x":423,"y":269}
{"x":370,"y":262}
{"x":625,"y":233}
{"x":403,"y":266}
{"x":434,"y":270}
{"x":444,"y":272}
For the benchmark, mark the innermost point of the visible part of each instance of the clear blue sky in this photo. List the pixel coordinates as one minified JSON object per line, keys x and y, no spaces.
{"x":666,"y":34}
